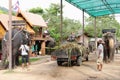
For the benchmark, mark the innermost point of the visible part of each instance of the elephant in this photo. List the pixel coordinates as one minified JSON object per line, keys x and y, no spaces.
{"x":117,"y":47}
{"x":50,"y":43}
{"x":18,"y":36}
{"x":109,"y":47}
{"x":91,"y":46}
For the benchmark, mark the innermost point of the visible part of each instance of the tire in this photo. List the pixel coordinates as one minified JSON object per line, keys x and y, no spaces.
{"x":59,"y":63}
{"x":79,"y":61}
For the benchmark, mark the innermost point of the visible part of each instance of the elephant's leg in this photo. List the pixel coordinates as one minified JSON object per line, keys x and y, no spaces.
{"x":116,"y":50}
{"x":4,"y":62}
{"x":104,"y":58}
{"x":13,"y":57}
{"x":112,"y":55}
{"x":107,"y":55}
{"x":13,"y":61}
{"x":17,"y":60}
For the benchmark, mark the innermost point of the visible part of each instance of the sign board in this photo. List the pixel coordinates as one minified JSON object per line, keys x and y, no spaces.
{"x":18,"y":23}
{"x":108,"y":30}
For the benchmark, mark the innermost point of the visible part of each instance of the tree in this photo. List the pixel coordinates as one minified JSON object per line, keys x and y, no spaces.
{"x":37,"y":10}
{"x":103,"y":22}
{"x":52,"y":16}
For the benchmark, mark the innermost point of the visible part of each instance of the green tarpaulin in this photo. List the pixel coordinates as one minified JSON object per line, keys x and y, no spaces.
{"x":97,"y":7}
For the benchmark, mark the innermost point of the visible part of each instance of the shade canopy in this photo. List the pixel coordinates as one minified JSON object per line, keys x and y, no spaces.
{"x":97,"y":7}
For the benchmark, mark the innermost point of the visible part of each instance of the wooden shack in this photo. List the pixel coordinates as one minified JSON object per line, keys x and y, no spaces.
{"x":32,"y":20}
{"x":4,"y":18}
{"x":35,"y":20}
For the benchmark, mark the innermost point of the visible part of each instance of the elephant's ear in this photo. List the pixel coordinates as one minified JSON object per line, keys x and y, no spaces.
{"x":111,"y":43}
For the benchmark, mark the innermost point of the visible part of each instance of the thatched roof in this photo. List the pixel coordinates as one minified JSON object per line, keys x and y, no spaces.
{"x":2,"y":31}
{"x":4,"y":18}
{"x":33,"y":19}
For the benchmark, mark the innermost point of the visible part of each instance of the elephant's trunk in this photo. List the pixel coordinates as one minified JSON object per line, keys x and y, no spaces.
{"x":111,"y":50}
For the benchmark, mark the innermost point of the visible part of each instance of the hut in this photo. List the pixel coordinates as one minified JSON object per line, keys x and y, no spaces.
{"x":4,"y":18}
{"x":35,"y":20}
{"x":32,"y":21}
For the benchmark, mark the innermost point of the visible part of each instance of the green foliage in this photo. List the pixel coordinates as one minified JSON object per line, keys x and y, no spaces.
{"x":36,"y":29}
{"x":54,"y":9}
{"x":103,"y":22}
{"x":70,"y":26}
{"x":89,"y":30}
{"x":37,"y":10}
{"x":3,"y":10}
{"x":52,"y":14}
{"x":56,"y":36}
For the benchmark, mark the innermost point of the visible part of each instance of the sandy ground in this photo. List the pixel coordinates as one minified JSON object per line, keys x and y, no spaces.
{"x":45,"y":69}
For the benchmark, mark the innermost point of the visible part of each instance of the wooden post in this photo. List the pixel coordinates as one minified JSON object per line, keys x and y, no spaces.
{"x":43,"y":48}
{"x":83,"y":27}
{"x":40,"y":32}
{"x":95,"y":33}
{"x":10,"y":34}
{"x":61,"y":18}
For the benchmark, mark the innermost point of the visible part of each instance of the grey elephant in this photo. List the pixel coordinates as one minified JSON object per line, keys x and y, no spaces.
{"x":109,"y":46}
{"x":18,"y":36}
{"x":50,"y":44}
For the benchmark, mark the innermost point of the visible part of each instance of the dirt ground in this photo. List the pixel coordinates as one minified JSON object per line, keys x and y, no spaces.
{"x":45,"y":69}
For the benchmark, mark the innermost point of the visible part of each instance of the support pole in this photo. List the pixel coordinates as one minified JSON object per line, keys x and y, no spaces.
{"x":10,"y":33}
{"x":61,"y":17}
{"x":83,"y":27}
{"x":95,"y":33}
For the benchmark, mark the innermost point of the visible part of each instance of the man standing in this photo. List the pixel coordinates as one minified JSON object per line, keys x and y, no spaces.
{"x":100,"y":55}
{"x":24,"y":53}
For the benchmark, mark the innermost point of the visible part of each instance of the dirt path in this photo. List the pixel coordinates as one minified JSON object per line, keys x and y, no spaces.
{"x":46,"y":69}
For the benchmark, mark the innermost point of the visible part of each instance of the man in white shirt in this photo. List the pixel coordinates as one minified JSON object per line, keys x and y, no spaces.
{"x":100,"y":55}
{"x":24,"y":52}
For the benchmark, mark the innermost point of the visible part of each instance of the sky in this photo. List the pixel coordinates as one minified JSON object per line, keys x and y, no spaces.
{"x":68,"y":11}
